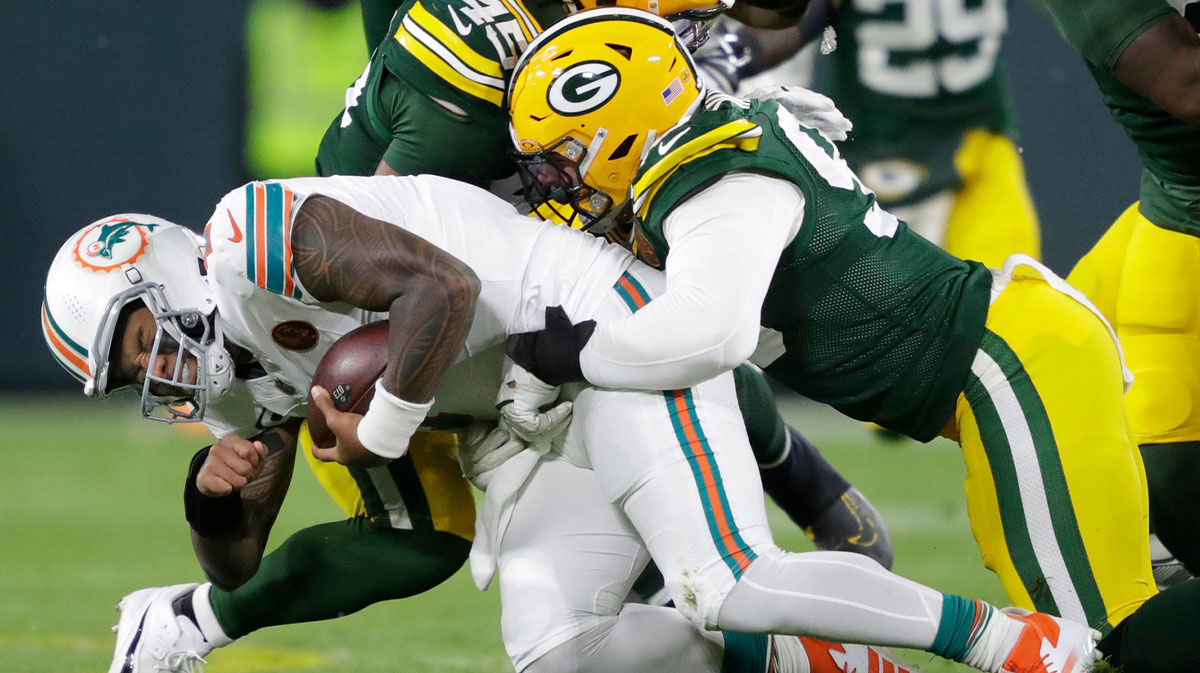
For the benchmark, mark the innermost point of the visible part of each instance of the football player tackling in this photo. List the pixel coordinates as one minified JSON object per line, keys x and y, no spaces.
{"x":760,"y":225}
{"x":429,"y":102}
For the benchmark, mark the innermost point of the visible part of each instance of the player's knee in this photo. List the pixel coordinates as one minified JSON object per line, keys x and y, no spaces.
{"x":700,"y":595}
{"x":577,"y":655}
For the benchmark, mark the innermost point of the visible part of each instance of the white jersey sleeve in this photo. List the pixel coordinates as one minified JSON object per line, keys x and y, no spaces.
{"x":523,"y":266}
{"x":724,"y":244}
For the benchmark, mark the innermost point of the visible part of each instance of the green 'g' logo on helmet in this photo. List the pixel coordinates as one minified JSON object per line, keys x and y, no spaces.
{"x":583,"y":88}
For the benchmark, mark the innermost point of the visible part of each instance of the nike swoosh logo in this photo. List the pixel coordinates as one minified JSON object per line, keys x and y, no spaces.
{"x":130,"y":658}
{"x":237,"y":233}
{"x":459,"y":26}
{"x":666,"y":145}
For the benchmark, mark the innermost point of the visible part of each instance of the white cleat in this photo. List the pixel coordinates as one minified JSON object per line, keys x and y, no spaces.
{"x":151,"y":638}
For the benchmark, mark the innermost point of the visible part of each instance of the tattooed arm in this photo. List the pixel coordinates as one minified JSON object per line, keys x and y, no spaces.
{"x":343,"y":255}
{"x":237,"y":494}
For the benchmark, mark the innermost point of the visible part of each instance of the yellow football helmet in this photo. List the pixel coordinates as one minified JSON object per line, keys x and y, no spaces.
{"x":586,"y":99}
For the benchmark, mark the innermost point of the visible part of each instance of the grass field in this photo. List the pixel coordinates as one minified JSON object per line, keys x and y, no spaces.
{"x":90,"y":509}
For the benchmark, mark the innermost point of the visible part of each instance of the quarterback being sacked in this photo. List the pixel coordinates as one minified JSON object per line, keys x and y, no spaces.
{"x":129,"y":302}
{"x":854,"y":309}
{"x":667,"y":475}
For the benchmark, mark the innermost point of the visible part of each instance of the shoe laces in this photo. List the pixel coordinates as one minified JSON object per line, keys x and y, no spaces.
{"x":186,"y":661}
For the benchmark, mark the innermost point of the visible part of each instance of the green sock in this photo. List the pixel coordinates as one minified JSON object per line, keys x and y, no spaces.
{"x":334,"y":569}
{"x":1171,"y":471}
{"x":1161,"y":637}
{"x":745,"y":652}
{"x":764,"y":426}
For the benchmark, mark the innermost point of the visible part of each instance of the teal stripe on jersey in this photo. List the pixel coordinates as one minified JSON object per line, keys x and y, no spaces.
{"x":248,"y":234}
{"x":734,"y":551}
{"x":275,"y":242}
{"x":631,"y":292}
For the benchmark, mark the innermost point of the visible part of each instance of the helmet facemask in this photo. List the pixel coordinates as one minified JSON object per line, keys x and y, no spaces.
{"x":554,"y":181}
{"x":202,"y":370}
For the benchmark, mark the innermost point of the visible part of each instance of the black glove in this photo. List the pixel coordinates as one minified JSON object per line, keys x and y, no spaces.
{"x":552,"y":354}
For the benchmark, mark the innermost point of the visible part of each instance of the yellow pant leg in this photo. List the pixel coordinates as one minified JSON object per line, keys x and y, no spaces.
{"x":1098,"y":273}
{"x":334,"y":478}
{"x":1158,"y":322}
{"x":434,"y":459}
{"x":1055,"y":486}
{"x":993,"y":215}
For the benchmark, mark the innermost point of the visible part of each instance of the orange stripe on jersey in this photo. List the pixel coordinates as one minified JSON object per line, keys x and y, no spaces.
{"x":260,"y":234}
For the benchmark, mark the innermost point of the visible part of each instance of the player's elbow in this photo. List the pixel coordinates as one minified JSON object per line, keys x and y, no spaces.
{"x":723,"y":347}
{"x":1184,"y":105}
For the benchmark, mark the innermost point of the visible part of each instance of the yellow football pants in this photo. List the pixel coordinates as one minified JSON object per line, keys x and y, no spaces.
{"x":991,"y":216}
{"x":1146,"y":280}
{"x":444,"y":494}
{"x":1055,"y":487}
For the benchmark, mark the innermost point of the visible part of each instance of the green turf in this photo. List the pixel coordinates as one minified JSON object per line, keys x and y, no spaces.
{"x":91,"y":509}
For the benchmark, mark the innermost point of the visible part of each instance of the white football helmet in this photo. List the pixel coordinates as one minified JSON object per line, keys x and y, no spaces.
{"x":134,"y":257}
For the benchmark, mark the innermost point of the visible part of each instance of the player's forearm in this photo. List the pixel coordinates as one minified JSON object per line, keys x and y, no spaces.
{"x":428,"y":329}
{"x":229,"y":549}
{"x":342,"y":255}
{"x":676,"y":341}
{"x":724,"y":243}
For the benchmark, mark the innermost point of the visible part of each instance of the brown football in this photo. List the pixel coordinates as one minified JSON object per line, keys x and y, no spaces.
{"x":349,"y":371}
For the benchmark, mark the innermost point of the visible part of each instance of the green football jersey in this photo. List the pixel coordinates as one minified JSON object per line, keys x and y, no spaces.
{"x":914,"y":76}
{"x":874,"y":320}
{"x":436,"y":82}
{"x":1170,"y":149}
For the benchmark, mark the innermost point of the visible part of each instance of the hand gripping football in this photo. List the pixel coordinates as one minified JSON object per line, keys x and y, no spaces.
{"x":349,"y":371}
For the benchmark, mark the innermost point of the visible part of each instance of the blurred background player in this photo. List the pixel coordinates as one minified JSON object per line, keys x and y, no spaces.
{"x":429,"y":102}
{"x":1144,"y":272}
{"x":934,"y":128}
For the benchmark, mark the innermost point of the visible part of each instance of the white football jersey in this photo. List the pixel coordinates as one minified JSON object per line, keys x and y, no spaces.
{"x":523,"y":265}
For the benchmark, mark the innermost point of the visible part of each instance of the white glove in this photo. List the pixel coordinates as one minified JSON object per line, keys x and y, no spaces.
{"x":811,"y":108}
{"x":521,"y":398}
{"x":483,"y":449}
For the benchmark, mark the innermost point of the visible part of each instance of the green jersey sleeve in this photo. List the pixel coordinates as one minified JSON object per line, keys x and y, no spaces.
{"x":1101,"y":29}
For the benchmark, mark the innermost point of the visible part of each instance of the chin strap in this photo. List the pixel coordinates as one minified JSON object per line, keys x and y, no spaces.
{"x":218,"y":364}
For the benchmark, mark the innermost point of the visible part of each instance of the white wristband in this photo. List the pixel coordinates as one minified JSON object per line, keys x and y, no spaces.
{"x":390,"y":422}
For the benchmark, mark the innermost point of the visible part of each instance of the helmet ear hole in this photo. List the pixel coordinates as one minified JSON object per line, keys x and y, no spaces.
{"x":623,"y":50}
{"x":622,"y":150}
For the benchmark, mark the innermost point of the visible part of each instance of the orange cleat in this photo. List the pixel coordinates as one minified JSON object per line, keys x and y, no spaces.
{"x":1051,"y":645}
{"x":810,"y":655}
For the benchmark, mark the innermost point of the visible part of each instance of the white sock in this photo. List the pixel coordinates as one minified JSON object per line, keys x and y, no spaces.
{"x":207,"y":619}
{"x":995,"y":643}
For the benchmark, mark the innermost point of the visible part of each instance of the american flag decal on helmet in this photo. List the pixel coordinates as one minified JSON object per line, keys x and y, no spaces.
{"x":672,"y":91}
